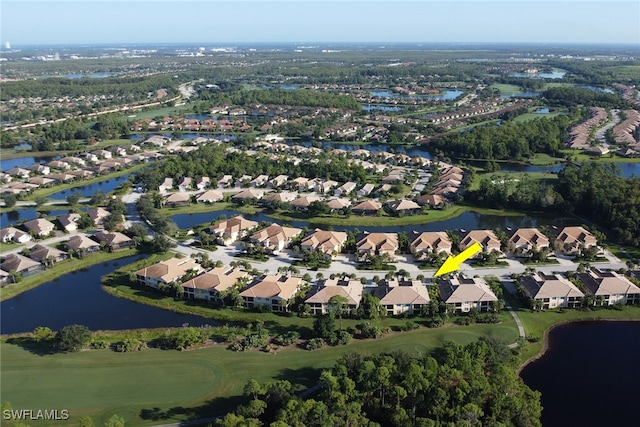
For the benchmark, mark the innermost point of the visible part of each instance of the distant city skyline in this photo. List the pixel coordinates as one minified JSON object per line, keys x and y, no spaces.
{"x":72,"y":22}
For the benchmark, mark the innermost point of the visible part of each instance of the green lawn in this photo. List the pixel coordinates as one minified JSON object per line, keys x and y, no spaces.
{"x":507,"y":89}
{"x":181,"y":385}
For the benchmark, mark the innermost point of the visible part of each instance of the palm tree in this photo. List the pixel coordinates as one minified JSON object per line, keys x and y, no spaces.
{"x":338,"y":304}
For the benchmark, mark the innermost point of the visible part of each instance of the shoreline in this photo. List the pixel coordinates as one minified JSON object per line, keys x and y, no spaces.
{"x":545,"y":340}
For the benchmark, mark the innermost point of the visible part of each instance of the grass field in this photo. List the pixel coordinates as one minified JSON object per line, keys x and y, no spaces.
{"x":157,"y":386}
{"x":507,"y":89}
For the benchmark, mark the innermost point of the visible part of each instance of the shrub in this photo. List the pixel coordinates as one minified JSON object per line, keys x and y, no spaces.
{"x":435,"y":322}
{"x":464,"y":321}
{"x":314,"y":344}
{"x":286,"y":339}
{"x":98,"y":344}
{"x":130,"y":344}
{"x":73,"y":337}
{"x":342,"y":337}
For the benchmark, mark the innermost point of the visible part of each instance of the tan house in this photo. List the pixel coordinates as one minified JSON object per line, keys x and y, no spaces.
{"x":430,"y":242}
{"x":210,"y":196}
{"x":571,"y":239}
{"x":553,"y":290}
{"x":210,"y":285}
{"x":431,"y":200}
{"x":47,"y":255}
{"x":327,"y":242}
{"x":368,"y":207}
{"x":273,"y":291}
{"x":345,"y":189}
{"x":609,"y":287}
{"x":275,"y":198}
{"x":98,"y":215}
{"x":247,"y":196}
{"x":164,"y":272}
{"x":16,"y":263}
{"x":526,"y":239}
{"x":69,"y":222}
{"x":275,"y":237}
{"x":232,"y":229}
{"x":113,"y":240}
{"x":487,"y":239}
{"x":403,"y":206}
{"x":320,"y":295}
{"x":465,"y":294}
{"x":303,"y":203}
{"x":338,"y":203}
{"x":82,"y":245}
{"x":402,"y":297}
{"x":39,"y":227}
{"x":377,"y":244}
{"x":177,"y":199}
{"x":9,"y":234}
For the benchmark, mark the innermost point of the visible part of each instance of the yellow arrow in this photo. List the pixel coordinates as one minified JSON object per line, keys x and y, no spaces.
{"x":453,"y":263}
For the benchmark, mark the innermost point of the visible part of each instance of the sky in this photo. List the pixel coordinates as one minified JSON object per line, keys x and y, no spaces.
{"x":217,"y":22}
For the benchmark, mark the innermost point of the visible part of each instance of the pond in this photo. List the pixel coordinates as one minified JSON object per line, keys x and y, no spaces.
{"x":448,"y":95}
{"x":25,"y":162}
{"x":107,"y":185}
{"x":78,"y":297}
{"x":11,"y":217}
{"x":589,"y":367}
{"x":466,"y":221}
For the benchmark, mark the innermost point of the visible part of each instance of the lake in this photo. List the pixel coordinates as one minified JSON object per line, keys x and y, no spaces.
{"x":11,"y":217}
{"x":107,"y":185}
{"x":466,"y":221}
{"x":78,"y":297}
{"x":448,"y":95}
{"x":588,"y":375}
{"x":25,"y":162}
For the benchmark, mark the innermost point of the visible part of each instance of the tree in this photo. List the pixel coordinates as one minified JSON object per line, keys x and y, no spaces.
{"x":86,"y":422}
{"x":161,"y":243}
{"x":325,"y":327}
{"x":9,"y":200}
{"x":338,"y":304}
{"x":73,"y":337}
{"x":115,"y":421}
{"x":98,"y":198}
{"x":74,"y":198}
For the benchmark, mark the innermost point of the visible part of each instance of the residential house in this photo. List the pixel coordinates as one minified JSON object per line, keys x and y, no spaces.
{"x":345,"y":189}
{"x":19,"y":172}
{"x":177,"y":199}
{"x":402,"y":297}
{"x":430,"y":242}
{"x":41,"y":181}
{"x":185,"y":183}
{"x":338,"y":204}
{"x":277,"y":198}
{"x":404,"y":207}
{"x":524,"y":240}
{"x":325,"y":186}
{"x":98,"y":215}
{"x":609,"y":287}
{"x":365,"y":190}
{"x":113,"y":240}
{"x":301,"y":183}
{"x":232,"y":229}
{"x":225,"y":181}
{"x":272,"y":291}
{"x":103,"y":154}
{"x":275,"y":237}
{"x":209,"y":286}
{"x":210,"y":196}
{"x":165,"y":272}
{"x":69,"y":222}
{"x":371,"y":244}
{"x":40,"y":169}
{"x":20,"y":264}
{"x":39,"y":227}
{"x":572,"y":239}
{"x":47,"y":255}
{"x":166,"y":185}
{"x":368,"y":207}
{"x":9,"y":234}
{"x":247,"y":196}
{"x":82,"y":245}
{"x":259,"y":181}
{"x":486,"y":238}
{"x":327,"y":242}
{"x":278,"y":181}
{"x":465,"y":294}
{"x":320,"y":295}
{"x":303,"y":203}
{"x":202,"y":182}
{"x":243,"y":181}
{"x":552,"y":290}
{"x":431,"y":200}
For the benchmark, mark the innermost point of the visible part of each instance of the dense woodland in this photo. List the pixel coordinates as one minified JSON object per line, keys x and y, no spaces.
{"x":471,"y":385}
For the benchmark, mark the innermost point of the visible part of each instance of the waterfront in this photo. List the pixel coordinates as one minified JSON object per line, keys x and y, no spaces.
{"x":78,"y":297}
{"x":585,"y":369}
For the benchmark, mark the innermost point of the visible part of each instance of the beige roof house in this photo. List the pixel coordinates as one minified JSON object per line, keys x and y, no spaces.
{"x":609,"y":287}
{"x":571,"y":239}
{"x":367,"y":207}
{"x":208,"y":286}
{"x":69,"y":222}
{"x":338,"y":203}
{"x":210,"y":196}
{"x":430,"y":242}
{"x":305,"y":202}
{"x":82,"y":244}
{"x":552,"y":289}
{"x":166,"y":271}
{"x":98,"y":215}
{"x":113,"y":240}
{"x":248,"y":194}
{"x":320,"y":295}
{"x":487,"y":239}
{"x":273,"y":291}
{"x":232,"y":229}
{"x":20,"y":264}
{"x":467,"y":293}
{"x":9,"y":234}
{"x":283,"y":197}
{"x":39,"y":226}
{"x":526,"y":239}
{"x":177,"y":199}
{"x":407,"y":297}
{"x":403,"y":206}
{"x":328,"y":242}
{"x":433,"y":200}
{"x":275,"y":237}
{"x":377,"y":244}
{"x":45,"y":254}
